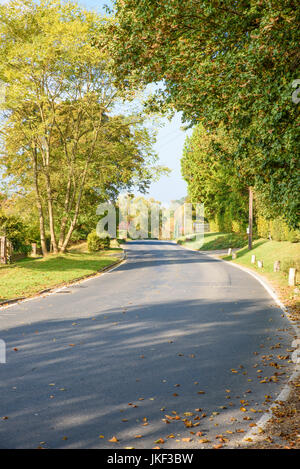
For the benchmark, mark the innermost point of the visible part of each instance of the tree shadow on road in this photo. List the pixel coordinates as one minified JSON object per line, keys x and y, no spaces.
{"x":80,"y":377}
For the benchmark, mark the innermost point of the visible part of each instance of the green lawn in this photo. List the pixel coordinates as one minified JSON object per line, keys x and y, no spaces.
{"x":30,"y":276}
{"x":269,"y":252}
{"x":215,"y":241}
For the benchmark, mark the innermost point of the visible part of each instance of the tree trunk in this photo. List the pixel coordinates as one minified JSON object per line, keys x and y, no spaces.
{"x":39,"y":205}
{"x":50,"y":213}
{"x":77,"y":208}
{"x":65,"y":218}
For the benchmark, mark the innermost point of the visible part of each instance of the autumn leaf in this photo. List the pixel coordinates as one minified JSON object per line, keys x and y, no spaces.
{"x":159,"y":441}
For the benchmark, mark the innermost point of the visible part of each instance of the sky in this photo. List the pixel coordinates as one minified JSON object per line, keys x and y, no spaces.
{"x":170,"y":141}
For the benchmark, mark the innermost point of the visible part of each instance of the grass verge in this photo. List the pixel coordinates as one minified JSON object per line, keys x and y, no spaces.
{"x":214,"y":241}
{"x":269,"y":252}
{"x":30,"y":276}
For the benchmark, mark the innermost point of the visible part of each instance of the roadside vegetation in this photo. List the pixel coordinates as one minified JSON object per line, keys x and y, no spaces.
{"x":288,"y":254}
{"x":214,"y":241}
{"x":64,"y":148}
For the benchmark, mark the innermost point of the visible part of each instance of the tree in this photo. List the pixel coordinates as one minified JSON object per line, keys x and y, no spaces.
{"x":213,"y":180}
{"x":61,"y":135}
{"x":223,"y":61}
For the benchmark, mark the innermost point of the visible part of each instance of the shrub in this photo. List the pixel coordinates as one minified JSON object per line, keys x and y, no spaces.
{"x":278,"y":230}
{"x":15,"y":231}
{"x":263,"y":227}
{"x":95,"y":243}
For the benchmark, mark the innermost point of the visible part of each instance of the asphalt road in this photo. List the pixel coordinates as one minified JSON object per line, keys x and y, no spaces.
{"x":167,"y":332}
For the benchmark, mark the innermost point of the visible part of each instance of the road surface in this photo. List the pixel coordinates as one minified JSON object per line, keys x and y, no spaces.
{"x":170,"y":335}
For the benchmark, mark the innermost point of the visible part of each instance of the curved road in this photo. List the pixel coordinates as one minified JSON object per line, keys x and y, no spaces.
{"x":170,"y":335}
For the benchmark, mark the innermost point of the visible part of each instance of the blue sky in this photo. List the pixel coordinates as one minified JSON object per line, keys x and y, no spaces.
{"x":170,"y":141}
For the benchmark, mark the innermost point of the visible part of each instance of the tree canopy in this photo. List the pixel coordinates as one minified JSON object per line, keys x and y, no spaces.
{"x":229,"y":63}
{"x":62,"y":137}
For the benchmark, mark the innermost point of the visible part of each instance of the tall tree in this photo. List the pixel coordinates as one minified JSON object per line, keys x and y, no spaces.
{"x":60,"y":130}
{"x":223,"y":61}
{"x":213,"y":180}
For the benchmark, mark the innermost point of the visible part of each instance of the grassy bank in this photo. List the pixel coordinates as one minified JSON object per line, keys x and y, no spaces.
{"x":30,"y":276}
{"x":214,"y":241}
{"x":269,"y":252}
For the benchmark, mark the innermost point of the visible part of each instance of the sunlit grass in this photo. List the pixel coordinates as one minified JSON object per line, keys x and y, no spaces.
{"x":215,"y":241}
{"x":269,"y":252}
{"x":30,"y":276}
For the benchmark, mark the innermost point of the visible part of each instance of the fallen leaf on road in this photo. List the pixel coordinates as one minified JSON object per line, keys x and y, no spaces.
{"x":159,"y":441}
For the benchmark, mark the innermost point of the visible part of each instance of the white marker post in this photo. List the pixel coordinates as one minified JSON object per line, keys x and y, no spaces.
{"x":2,"y":352}
{"x":292,"y":277}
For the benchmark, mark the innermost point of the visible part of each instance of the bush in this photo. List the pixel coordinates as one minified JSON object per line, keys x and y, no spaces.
{"x":95,"y":243}
{"x":15,"y":231}
{"x":263,"y":227}
{"x":278,"y":230}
